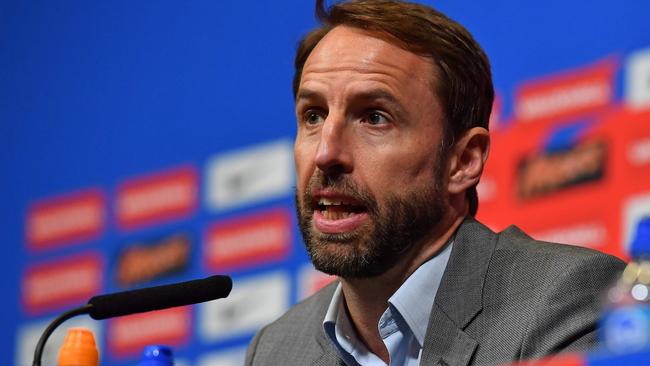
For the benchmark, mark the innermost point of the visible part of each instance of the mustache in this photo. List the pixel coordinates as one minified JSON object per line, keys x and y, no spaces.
{"x":342,"y":184}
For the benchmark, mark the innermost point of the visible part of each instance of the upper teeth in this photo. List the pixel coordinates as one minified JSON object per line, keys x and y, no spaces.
{"x":328,"y":201}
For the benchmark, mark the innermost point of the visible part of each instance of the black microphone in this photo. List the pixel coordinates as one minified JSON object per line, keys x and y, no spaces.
{"x":159,"y":297}
{"x":140,"y":301}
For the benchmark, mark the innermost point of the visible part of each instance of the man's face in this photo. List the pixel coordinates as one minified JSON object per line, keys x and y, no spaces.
{"x":370,"y":177}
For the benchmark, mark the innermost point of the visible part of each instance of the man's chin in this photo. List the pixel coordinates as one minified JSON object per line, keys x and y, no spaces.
{"x":344,"y":256}
{"x":349,"y":268}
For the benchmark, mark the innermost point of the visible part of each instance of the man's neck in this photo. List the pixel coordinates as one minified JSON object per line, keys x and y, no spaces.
{"x":366,"y":299}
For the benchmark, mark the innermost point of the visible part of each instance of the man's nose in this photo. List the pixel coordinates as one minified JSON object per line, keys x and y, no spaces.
{"x":333,"y":154}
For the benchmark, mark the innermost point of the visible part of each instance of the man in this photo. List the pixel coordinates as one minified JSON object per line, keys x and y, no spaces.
{"x":393,"y":101}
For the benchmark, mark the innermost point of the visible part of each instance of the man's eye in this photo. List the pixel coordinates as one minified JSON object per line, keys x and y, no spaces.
{"x":376,"y":118}
{"x":313,"y":118}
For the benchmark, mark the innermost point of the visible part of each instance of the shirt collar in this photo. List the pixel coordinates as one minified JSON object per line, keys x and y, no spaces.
{"x":333,"y":309}
{"x":414,"y":299}
{"x":338,"y":328}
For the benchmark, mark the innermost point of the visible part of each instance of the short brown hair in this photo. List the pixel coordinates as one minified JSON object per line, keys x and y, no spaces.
{"x":464,"y":83}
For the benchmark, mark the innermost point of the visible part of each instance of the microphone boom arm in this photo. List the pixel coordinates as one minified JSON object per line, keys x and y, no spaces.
{"x":142,"y":300}
{"x":38,"y":353}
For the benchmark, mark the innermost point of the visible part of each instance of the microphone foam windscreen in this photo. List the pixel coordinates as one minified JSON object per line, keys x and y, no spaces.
{"x":159,"y":297}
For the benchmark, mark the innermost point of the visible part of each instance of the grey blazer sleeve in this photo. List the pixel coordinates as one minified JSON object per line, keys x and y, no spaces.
{"x":252,"y":347}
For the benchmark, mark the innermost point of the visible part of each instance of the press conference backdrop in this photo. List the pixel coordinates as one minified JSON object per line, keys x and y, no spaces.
{"x":148,"y":142}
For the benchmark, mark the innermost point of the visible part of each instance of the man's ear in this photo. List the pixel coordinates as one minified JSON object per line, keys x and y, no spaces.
{"x":467,"y":159}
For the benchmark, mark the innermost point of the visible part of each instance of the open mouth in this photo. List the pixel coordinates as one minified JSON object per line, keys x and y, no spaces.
{"x":337,"y":213}
{"x":338,"y":208}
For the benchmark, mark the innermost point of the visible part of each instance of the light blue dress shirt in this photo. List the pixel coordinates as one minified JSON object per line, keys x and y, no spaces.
{"x":402,"y":326}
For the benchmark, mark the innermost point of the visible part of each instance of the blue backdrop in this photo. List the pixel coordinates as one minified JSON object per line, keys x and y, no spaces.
{"x":95,"y":93}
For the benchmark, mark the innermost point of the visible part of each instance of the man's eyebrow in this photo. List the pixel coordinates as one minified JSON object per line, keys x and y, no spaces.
{"x":376,"y":94}
{"x":373,"y":94}
{"x":381,"y":95}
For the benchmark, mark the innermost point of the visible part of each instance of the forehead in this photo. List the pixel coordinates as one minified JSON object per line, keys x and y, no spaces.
{"x":346,"y":50}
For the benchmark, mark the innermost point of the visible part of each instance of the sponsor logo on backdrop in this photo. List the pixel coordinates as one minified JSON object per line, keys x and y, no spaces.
{"x":157,"y":197}
{"x":62,"y":283}
{"x":592,"y":234}
{"x":253,"y":303}
{"x":541,"y":174}
{"x":567,"y":160}
{"x":65,"y":219}
{"x":234,"y":357}
{"x":637,"y":79}
{"x":568,"y":95}
{"x":128,"y":335}
{"x":253,"y":174}
{"x":141,"y":262}
{"x":27,"y":336}
{"x":310,"y":281}
{"x":259,"y":238}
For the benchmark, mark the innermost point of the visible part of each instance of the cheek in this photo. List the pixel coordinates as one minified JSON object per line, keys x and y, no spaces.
{"x":421,"y":158}
{"x":400,"y":169}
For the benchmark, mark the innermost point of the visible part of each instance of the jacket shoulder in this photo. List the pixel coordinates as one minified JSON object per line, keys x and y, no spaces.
{"x":515,"y":240}
{"x":293,"y":338}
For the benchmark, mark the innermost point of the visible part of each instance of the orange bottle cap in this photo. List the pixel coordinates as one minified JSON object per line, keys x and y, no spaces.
{"x":79,"y":349}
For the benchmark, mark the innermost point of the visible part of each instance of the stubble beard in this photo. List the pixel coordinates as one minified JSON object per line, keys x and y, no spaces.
{"x":392,"y":229}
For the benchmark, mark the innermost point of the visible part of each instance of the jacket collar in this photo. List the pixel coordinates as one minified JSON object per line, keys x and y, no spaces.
{"x":460,"y":297}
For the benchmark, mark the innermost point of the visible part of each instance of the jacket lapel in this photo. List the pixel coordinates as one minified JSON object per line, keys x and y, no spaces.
{"x":459,"y":298}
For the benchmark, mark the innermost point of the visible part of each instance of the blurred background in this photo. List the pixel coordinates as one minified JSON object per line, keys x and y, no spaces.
{"x":149,"y":142}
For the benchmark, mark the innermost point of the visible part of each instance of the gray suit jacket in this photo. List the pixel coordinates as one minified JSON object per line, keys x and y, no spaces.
{"x":503,"y":297}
